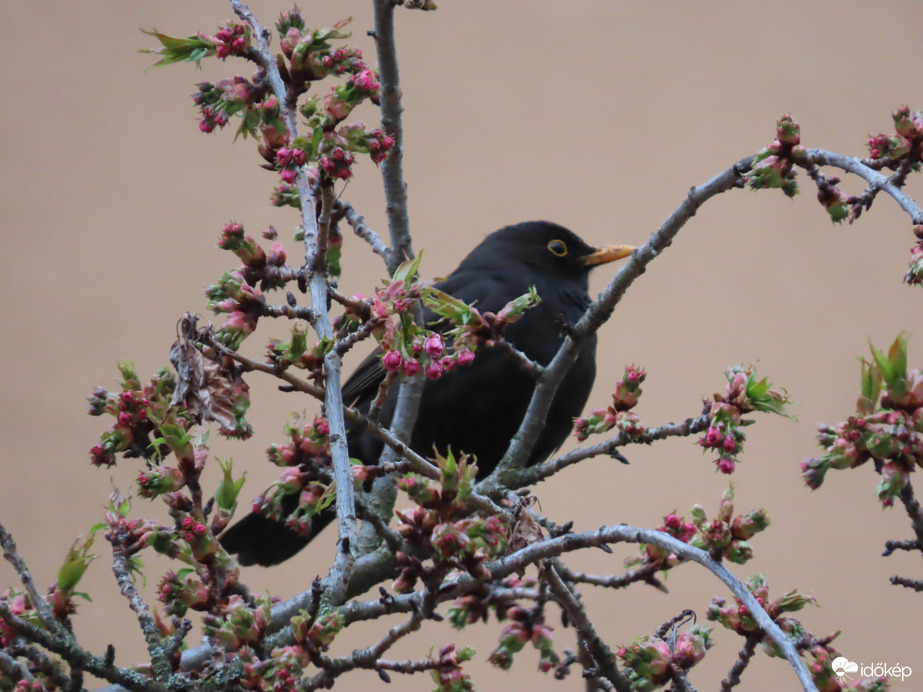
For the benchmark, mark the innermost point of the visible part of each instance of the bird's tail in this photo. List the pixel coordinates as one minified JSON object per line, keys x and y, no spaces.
{"x":259,"y":540}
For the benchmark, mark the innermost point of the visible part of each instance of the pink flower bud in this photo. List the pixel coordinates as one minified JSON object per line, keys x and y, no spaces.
{"x":434,"y":345}
{"x":729,"y":444}
{"x":392,"y":361}
{"x":411,"y":367}
{"x":726,"y":465}
{"x":465,"y":356}
{"x":433,"y":370}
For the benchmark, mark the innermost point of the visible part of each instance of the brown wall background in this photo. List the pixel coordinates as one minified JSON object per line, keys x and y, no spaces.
{"x":593,"y":113}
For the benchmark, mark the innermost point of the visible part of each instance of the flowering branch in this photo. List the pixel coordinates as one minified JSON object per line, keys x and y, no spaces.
{"x":600,"y":311}
{"x":539,"y":472}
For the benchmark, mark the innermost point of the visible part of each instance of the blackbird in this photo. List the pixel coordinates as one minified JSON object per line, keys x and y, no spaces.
{"x":475,"y":408}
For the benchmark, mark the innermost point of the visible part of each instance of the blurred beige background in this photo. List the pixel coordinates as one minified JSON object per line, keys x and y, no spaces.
{"x":598,"y":114}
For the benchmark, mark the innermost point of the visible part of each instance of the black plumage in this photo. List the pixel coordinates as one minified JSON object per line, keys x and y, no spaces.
{"x":476,"y":408}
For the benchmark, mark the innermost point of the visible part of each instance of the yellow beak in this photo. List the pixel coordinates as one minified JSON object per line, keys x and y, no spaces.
{"x":610,"y":253}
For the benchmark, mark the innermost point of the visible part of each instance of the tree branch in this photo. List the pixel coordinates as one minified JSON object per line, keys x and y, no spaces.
{"x":155,"y":646}
{"x":877,"y":180}
{"x":600,"y":652}
{"x":392,"y":167}
{"x":11,"y":554}
{"x":523,"y":442}
{"x":539,"y":472}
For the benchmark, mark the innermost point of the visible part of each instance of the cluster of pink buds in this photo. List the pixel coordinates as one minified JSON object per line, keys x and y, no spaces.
{"x":217,"y":102}
{"x":440,"y":525}
{"x":238,"y":623}
{"x":310,"y":54}
{"x":306,"y":463}
{"x":738,"y":618}
{"x":288,"y":160}
{"x":132,"y":409}
{"x":336,"y":162}
{"x":525,"y":626}
{"x":179,"y":593}
{"x":727,"y":535}
{"x":317,"y":634}
{"x":408,"y":348}
{"x":280,"y":673}
{"x":650,"y":661}
{"x":18,"y":605}
{"x":914,"y":275}
{"x":235,"y":293}
{"x":727,"y":439}
{"x":906,"y":139}
{"x":448,"y":673}
{"x":619,"y":414}
{"x":744,"y":393}
{"x":158,"y":480}
{"x":772,"y":166}
{"x":233,"y":38}
{"x":129,"y":535}
{"x":379,"y":145}
{"x":887,"y":427}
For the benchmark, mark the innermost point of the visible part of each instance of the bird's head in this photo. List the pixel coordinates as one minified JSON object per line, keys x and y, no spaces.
{"x":545,"y":248}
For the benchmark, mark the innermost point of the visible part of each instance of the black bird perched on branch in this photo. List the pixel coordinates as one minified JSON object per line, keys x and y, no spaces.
{"x":477,"y":408}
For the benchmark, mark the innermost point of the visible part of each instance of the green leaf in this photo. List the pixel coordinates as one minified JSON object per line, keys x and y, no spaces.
{"x":758,"y":390}
{"x":75,"y":565}
{"x":883,"y":363}
{"x":174,"y":49}
{"x":456,"y":311}
{"x":897,"y":354}
{"x":409,"y":270}
{"x":228,"y":489}
{"x":871,"y":382}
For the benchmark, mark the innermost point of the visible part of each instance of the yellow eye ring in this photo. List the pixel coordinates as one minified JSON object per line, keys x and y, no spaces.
{"x":557,"y":248}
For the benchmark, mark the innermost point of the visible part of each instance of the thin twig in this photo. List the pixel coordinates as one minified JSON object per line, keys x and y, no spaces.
{"x":525,"y":363}
{"x":77,"y":657}
{"x":646,"y":575}
{"x":392,"y":167}
{"x":914,"y":584}
{"x":740,"y":665}
{"x":361,"y":228}
{"x":534,"y":474}
{"x":11,"y":553}
{"x":877,"y":180}
{"x":601,"y":653}
{"x":160,"y":663}
{"x":529,"y":430}
{"x":13,"y":670}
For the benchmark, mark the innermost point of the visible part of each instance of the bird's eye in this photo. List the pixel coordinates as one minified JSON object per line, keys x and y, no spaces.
{"x":557,"y":248}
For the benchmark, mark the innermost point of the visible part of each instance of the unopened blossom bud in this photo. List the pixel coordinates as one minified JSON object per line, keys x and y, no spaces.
{"x":411,"y":367}
{"x":434,"y":345}
{"x":392,"y":361}
{"x":730,"y":444}
{"x":284,"y":156}
{"x":726,"y":465}
{"x":464,"y":356}
{"x":433,"y":370}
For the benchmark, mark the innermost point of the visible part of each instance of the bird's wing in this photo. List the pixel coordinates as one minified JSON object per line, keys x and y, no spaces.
{"x":486,"y":291}
{"x":363,"y":384}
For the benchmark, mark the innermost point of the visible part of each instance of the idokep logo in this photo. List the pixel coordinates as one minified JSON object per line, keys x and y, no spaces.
{"x":842,"y":666}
